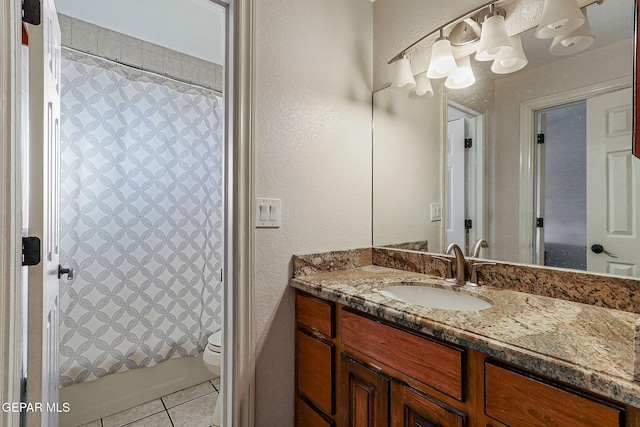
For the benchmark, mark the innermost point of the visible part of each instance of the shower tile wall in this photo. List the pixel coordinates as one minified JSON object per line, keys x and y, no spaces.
{"x":89,"y":38}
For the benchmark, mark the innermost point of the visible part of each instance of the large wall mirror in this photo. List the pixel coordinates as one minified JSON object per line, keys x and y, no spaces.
{"x":538,"y":162}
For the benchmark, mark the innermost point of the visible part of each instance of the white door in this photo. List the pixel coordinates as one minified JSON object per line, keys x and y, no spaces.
{"x":455,"y":188}
{"x":44,"y":118}
{"x":613,"y":201}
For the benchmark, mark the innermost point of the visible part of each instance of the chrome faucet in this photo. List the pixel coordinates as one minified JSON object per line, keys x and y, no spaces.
{"x":460,"y":280}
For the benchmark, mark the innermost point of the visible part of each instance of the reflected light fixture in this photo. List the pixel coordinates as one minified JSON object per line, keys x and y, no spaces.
{"x":423,"y":89}
{"x":463,"y":77}
{"x":513,"y":60}
{"x":402,"y":75}
{"x":559,"y":17}
{"x":442,"y":63}
{"x":494,"y":40}
{"x":574,"y":42}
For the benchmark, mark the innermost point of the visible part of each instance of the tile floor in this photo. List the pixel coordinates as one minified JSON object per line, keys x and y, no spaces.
{"x":191,"y":407}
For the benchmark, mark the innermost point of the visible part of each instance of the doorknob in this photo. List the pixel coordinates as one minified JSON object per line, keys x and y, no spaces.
{"x":67,"y":271}
{"x":598,"y":249}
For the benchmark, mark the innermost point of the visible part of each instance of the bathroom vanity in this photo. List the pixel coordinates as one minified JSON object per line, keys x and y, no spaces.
{"x":365,"y":359}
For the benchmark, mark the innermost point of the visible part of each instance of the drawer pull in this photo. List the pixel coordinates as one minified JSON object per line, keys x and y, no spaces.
{"x":375,"y":367}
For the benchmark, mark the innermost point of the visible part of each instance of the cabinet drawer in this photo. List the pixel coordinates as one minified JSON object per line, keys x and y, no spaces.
{"x":307,"y":417}
{"x":314,"y":371}
{"x":520,"y":399}
{"x":315,"y":313}
{"x":437,"y":365}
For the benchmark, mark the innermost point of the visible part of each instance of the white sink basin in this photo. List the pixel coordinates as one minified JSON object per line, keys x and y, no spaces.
{"x":426,"y":296}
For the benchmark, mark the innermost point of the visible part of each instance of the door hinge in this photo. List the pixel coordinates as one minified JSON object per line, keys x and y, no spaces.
{"x":30,"y":251}
{"x":31,"y":12}
{"x":468,"y":142}
{"x":541,"y":138}
{"x":468,"y":224}
{"x":539,"y":222}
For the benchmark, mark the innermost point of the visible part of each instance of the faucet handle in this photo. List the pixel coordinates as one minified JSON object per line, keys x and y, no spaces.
{"x":448,"y":262}
{"x":473,"y":280}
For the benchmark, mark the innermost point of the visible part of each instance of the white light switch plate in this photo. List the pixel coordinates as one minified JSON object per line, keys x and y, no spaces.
{"x":268,"y":213}
{"x":436,"y":212}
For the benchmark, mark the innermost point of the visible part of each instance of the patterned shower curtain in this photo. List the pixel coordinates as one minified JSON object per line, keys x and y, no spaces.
{"x":141,"y":218}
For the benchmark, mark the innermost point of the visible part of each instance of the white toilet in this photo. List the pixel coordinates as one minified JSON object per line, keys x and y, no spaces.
{"x":212,"y":358}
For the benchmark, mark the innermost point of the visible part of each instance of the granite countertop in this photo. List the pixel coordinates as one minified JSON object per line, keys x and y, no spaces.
{"x":587,"y":346}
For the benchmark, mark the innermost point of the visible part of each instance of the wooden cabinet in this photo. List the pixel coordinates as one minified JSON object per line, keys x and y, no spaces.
{"x":306,"y":416}
{"x":517,"y":398}
{"x":315,"y":371}
{"x":315,"y":362}
{"x":410,"y":408}
{"x":435,"y":364}
{"x":364,"y":395}
{"x":353,"y":369}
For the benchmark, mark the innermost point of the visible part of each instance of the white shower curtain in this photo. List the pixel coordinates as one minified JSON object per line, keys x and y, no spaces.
{"x":141,"y":218}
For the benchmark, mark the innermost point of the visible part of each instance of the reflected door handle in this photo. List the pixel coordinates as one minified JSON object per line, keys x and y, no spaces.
{"x":63,"y":271}
{"x":598,"y":249}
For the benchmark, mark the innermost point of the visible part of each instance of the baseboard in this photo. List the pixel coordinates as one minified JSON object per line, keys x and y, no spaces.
{"x":115,"y":393}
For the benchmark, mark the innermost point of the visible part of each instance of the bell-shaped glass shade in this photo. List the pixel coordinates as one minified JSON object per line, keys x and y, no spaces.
{"x":402,"y":75}
{"x":559,"y":17}
{"x":574,"y":42}
{"x":423,"y":89}
{"x":442,"y":62}
{"x":494,"y":40}
{"x":463,"y":77}
{"x":512,"y":61}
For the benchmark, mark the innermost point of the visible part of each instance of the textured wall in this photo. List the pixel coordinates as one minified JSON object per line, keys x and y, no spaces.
{"x":313,"y":151}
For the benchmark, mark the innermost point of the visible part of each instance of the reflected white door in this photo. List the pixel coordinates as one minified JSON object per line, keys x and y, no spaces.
{"x":455,"y":188}
{"x":613,"y":201}
{"x":474,"y":179}
{"x":44,"y":118}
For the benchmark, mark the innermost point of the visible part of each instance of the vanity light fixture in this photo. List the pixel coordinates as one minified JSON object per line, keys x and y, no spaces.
{"x":463,"y":77}
{"x":423,"y":89}
{"x":494,"y":40}
{"x":402,"y":75}
{"x":482,"y":31}
{"x":442,"y":62}
{"x":512,"y":61}
{"x":559,"y":17}
{"x":574,"y":42}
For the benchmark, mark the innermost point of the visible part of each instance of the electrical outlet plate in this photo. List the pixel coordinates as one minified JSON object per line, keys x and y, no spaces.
{"x":268,"y":213}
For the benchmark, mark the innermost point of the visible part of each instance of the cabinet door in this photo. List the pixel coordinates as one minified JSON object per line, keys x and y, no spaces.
{"x":364,"y":395}
{"x":410,"y":408}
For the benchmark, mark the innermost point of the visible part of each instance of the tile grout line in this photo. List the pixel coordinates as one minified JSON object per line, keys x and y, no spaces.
{"x":167,"y":411}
